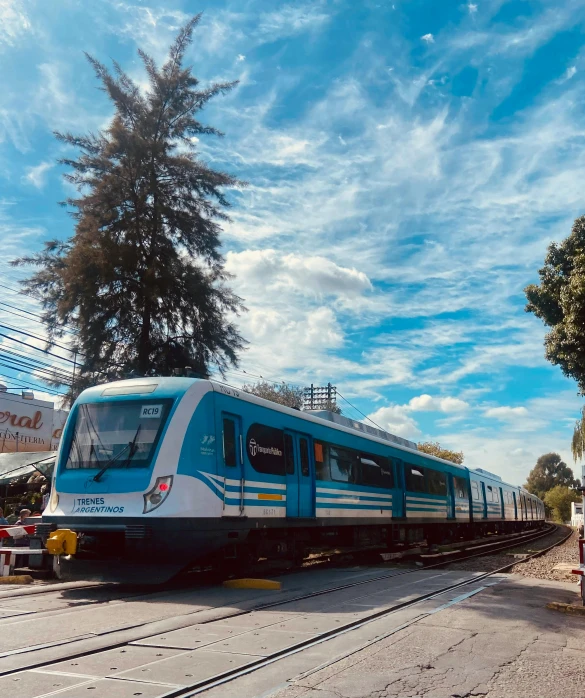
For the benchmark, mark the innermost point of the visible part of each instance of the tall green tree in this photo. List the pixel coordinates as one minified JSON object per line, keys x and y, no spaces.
{"x":559,"y":301}
{"x":549,"y":472}
{"x":142,"y":279}
{"x":559,"y":501}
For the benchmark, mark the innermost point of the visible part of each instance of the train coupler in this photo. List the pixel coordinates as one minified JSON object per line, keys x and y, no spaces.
{"x":62,"y":542}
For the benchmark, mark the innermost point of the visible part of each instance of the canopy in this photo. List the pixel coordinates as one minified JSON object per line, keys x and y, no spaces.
{"x":13,"y":465}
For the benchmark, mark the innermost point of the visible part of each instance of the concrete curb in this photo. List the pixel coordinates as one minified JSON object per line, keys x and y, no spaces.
{"x":566,"y":608}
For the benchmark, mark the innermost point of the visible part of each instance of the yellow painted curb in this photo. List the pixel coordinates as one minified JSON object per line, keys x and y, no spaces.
{"x":17,"y":579}
{"x":252,"y":584}
{"x":566,"y":608}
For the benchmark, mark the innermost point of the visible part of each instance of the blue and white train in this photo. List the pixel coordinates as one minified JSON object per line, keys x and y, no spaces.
{"x":158,"y":474}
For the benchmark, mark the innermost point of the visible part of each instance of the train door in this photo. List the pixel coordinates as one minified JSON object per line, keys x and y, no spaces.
{"x":300,"y":475}
{"x":484,"y":501}
{"x":399,"y":502}
{"x":515,"y":505}
{"x":233,"y":465}
{"x":450,"y":497}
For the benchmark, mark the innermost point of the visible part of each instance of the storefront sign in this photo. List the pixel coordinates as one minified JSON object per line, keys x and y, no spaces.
{"x":26,"y":425}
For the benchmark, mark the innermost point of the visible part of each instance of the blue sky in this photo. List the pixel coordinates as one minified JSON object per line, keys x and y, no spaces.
{"x":408,"y":162}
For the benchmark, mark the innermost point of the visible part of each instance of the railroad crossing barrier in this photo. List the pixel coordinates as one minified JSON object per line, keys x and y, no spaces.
{"x":8,"y":554}
{"x":581,"y":569}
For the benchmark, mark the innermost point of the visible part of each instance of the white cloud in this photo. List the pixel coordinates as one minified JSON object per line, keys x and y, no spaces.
{"x":426,"y":403}
{"x":37,"y":175}
{"x":14,"y":22}
{"x":396,"y":421}
{"x":429,"y":38}
{"x":292,"y":19}
{"x":506,"y":412}
{"x":569,"y":73}
{"x":306,"y":275}
{"x":472,"y":8}
{"x":240,"y":57}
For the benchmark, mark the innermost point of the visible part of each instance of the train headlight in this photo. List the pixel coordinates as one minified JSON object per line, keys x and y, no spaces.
{"x":53,"y":501}
{"x":157,"y":495}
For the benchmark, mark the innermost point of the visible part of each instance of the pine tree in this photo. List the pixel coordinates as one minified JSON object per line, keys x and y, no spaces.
{"x":142,"y":279}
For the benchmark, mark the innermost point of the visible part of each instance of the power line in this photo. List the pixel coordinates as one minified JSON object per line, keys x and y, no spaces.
{"x":44,"y":351}
{"x":41,"y":339}
{"x":26,"y":295}
{"x":29,"y":319}
{"x":29,"y":368}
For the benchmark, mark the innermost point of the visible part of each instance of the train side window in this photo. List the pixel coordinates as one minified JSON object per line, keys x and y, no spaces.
{"x":321,"y":465}
{"x":289,"y":454}
{"x":341,"y":464}
{"x":414,"y":478}
{"x":229,"y":442}
{"x":436,"y":482}
{"x":489,"y":494}
{"x":304,"y":451}
{"x":475,"y":490}
{"x":460,"y":487}
{"x":375,"y":471}
{"x":265,"y":449}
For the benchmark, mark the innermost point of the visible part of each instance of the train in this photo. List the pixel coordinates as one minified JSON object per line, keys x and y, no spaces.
{"x":156,"y":476}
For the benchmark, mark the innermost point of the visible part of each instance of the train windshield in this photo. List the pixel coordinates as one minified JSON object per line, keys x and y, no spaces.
{"x":124,"y":434}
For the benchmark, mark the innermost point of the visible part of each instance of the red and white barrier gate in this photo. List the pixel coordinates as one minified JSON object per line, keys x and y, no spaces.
{"x":8,"y":555}
{"x":581,"y":570}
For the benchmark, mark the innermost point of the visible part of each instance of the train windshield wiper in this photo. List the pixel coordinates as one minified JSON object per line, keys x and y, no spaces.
{"x":130,"y":445}
{"x":133,"y":448}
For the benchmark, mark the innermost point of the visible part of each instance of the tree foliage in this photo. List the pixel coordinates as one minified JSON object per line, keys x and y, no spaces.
{"x":434,"y":448}
{"x":282,"y":393}
{"x":549,"y":472}
{"x":559,"y":301}
{"x":142,"y":280}
{"x":578,"y":440}
{"x":559,"y":499}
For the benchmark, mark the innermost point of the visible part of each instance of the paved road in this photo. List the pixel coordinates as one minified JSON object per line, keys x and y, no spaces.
{"x":491,"y":638}
{"x":500,"y":643}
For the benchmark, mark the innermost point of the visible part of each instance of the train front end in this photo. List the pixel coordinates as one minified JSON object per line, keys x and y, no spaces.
{"x":116,"y":484}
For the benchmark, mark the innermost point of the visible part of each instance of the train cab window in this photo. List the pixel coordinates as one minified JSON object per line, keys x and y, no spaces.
{"x":304,"y":452}
{"x":341,"y":464}
{"x":414,"y":478}
{"x":229,"y":442}
{"x":375,"y":471}
{"x":289,"y":454}
{"x":460,"y":487}
{"x":475,"y":490}
{"x":436,"y":482}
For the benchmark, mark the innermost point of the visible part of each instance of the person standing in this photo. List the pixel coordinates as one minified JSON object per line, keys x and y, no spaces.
{"x":3,"y":521}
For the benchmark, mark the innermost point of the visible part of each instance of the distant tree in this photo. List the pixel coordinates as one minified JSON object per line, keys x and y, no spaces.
{"x":549,"y":472}
{"x":559,"y":301}
{"x":282,"y":393}
{"x":434,"y":448}
{"x":142,"y":280}
{"x":559,"y":499}
{"x":578,"y":441}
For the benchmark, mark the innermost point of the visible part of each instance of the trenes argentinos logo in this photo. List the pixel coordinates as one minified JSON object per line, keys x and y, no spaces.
{"x":255,"y":448}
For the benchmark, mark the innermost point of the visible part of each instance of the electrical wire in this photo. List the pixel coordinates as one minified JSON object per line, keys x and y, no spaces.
{"x":41,"y":339}
{"x":31,"y":369}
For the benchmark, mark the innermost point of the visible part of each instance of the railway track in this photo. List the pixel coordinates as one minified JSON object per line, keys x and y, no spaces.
{"x":67,"y":650}
{"x":229,"y":676}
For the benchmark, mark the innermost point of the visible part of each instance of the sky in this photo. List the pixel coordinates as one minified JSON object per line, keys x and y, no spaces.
{"x":408,"y":164}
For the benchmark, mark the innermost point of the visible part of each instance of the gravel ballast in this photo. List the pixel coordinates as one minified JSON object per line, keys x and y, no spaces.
{"x":539,"y":567}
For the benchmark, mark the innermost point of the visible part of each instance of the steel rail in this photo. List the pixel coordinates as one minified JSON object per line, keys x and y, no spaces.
{"x":394,"y":573}
{"x":226,"y":677}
